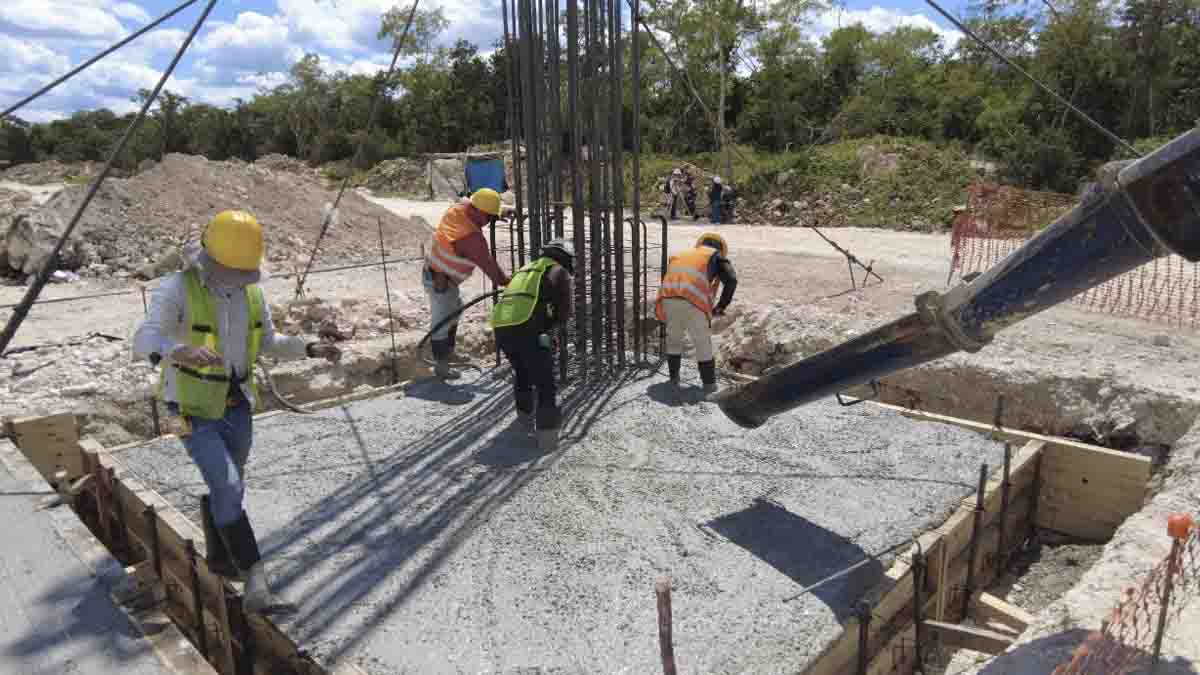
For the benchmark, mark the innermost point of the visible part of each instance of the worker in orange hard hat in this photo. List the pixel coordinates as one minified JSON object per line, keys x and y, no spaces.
{"x":687,"y":301}
{"x":458,"y":247}
{"x":206,"y":325}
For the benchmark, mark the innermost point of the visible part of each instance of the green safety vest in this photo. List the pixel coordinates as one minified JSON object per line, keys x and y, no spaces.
{"x":520,"y":297}
{"x":204,"y":392}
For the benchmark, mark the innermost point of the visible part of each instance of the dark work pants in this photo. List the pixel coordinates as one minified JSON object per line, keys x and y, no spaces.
{"x":533,"y":369}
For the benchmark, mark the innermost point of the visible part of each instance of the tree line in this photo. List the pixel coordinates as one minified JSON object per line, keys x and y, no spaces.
{"x":1134,"y":66}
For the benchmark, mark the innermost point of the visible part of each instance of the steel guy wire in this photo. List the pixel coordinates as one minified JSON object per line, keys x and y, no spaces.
{"x":83,"y":66}
{"x":375,"y":96}
{"x":47,"y":269}
{"x":1012,"y":64}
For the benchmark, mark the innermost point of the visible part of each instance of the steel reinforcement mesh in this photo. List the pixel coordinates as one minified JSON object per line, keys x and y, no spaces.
{"x":999,"y":219}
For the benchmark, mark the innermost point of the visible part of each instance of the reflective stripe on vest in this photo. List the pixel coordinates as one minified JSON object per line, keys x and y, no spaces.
{"x":687,"y":278}
{"x":455,"y":225}
{"x":520,"y":297}
{"x":204,"y":392}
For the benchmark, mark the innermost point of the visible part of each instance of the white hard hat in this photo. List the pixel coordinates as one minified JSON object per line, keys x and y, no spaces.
{"x":677,"y":172}
{"x":717,"y":180}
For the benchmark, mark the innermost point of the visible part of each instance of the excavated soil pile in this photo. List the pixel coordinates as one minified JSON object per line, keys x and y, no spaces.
{"x":51,"y":171}
{"x":425,"y":533}
{"x":134,"y":227}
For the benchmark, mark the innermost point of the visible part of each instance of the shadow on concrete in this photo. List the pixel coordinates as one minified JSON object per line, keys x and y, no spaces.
{"x":434,"y":389}
{"x":669,"y":395}
{"x":1046,"y":653}
{"x":802,"y":550}
{"x":365,"y":549}
{"x":94,"y":632}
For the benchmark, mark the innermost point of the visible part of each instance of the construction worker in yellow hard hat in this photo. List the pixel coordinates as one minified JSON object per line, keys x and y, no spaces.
{"x":686,"y":303}
{"x":206,"y":325}
{"x":458,"y":247}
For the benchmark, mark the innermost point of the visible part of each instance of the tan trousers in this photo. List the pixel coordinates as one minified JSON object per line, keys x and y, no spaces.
{"x":683,"y":317}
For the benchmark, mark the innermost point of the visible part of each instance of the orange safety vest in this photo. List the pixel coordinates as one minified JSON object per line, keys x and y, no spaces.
{"x":687,"y":277}
{"x":455,"y":225}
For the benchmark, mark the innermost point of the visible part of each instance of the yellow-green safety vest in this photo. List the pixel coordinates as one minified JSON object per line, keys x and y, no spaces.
{"x":520,"y":297}
{"x":204,"y":392}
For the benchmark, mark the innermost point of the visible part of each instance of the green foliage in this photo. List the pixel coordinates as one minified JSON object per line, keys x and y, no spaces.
{"x":796,"y":109}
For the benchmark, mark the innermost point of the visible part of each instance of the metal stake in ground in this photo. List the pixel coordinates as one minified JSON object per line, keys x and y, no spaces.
{"x":976,"y":530}
{"x":662,"y":591}
{"x":47,"y":268}
{"x":388,"y":294}
{"x":864,"y":637}
{"x":1178,"y":526}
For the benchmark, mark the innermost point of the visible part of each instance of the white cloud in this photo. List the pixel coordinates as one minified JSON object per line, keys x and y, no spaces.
{"x":879,"y":20}
{"x":252,"y":42}
{"x":128,"y":10}
{"x":60,"y":18}
{"x":349,"y":25}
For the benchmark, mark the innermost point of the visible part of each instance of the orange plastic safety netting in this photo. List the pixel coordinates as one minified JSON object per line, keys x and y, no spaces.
{"x":1126,"y":641}
{"x":999,"y":219}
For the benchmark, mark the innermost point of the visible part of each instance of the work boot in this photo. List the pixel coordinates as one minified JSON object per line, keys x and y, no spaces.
{"x":708,"y":375}
{"x":547,"y":440}
{"x":217,"y":555}
{"x":674,"y":361}
{"x":443,"y":370}
{"x":442,"y":350}
{"x":259,"y":598}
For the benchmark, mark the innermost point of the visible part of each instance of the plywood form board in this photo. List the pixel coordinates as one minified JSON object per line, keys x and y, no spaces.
{"x":275,"y":652}
{"x":948,"y":543}
{"x":163,"y":636}
{"x":987,"y":608}
{"x":50,"y":443}
{"x":959,"y":636}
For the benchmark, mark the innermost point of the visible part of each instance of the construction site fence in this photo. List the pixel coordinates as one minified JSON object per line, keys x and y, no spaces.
{"x":1130,"y":639}
{"x":1000,"y":219}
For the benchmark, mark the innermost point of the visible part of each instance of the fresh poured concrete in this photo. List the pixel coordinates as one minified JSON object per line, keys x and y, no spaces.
{"x":56,"y":616}
{"x":424,"y":533}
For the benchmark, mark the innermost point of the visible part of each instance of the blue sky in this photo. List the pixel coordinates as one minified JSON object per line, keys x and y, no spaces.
{"x":246,"y":44}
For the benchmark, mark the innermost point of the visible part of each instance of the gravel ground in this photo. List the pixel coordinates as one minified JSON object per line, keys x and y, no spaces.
{"x":423,"y":533}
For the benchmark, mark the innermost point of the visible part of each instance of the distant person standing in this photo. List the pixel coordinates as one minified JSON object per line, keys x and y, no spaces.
{"x":676,"y":187}
{"x":714,"y":199}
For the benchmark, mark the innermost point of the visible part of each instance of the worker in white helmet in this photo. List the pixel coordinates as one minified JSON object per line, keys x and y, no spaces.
{"x":715,"y":192}
{"x":206,"y":326}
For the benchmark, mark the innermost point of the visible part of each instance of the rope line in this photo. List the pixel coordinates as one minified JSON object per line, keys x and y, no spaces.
{"x":43,"y":276}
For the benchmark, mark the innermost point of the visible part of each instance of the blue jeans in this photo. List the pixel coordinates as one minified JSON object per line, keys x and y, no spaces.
{"x":716,"y":211}
{"x":220,"y":448}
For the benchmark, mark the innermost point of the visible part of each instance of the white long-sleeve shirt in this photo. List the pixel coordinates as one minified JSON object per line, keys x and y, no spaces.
{"x":165,"y":329}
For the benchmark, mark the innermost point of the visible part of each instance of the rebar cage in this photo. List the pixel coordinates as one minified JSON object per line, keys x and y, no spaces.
{"x":567,"y":91}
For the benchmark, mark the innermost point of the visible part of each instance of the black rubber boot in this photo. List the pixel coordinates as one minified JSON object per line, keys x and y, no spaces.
{"x":259,"y":598}
{"x":217,"y":556}
{"x":708,"y":375}
{"x":674,"y":361}
{"x":441,"y":357}
{"x":548,"y":420}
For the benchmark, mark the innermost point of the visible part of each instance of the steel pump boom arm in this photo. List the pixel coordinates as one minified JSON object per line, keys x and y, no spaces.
{"x":1144,"y":210}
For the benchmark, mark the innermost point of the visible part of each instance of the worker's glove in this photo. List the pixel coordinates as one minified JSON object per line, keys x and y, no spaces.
{"x":324,"y":350}
{"x":196,"y":357}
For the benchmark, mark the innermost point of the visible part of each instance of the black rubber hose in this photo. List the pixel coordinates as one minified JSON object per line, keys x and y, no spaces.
{"x":456,"y":314}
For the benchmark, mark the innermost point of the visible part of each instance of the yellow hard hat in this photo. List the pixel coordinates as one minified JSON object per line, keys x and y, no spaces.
{"x":234,"y":239}
{"x":715,"y":238}
{"x":487,"y":200}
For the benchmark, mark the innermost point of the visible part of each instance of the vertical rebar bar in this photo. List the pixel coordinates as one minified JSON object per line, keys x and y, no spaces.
{"x":529,"y":87}
{"x":514,"y":71}
{"x":864,"y":637}
{"x":976,"y":531}
{"x":153,"y":398}
{"x":197,"y":598}
{"x":155,"y":552}
{"x":1005,"y":487}
{"x":595,"y":193}
{"x":636,"y":225}
{"x":388,"y":294}
{"x":618,"y":187}
{"x":918,"y":572}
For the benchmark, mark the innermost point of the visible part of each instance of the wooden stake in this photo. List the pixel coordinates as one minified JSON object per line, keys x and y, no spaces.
{"x":662,"y":589}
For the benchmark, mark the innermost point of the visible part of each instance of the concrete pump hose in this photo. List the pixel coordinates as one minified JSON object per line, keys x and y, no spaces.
{"x":453,"y":316}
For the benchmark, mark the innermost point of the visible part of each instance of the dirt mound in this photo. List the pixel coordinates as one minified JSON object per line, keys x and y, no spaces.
{"x":405,"y":177}
{"x":134,"y":227}
{"x":51,"y":171}
{"x":277,"y":162}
